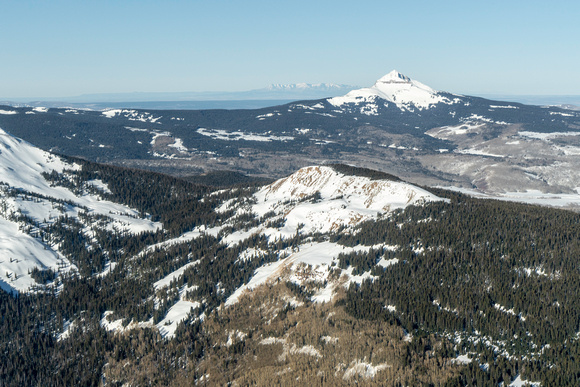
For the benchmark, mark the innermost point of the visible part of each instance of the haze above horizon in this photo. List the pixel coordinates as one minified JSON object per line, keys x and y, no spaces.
{"x":65,"y":48}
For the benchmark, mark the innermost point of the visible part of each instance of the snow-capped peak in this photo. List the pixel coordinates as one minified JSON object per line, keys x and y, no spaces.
{"x":395,"y":88}
{"x":394,"y":77}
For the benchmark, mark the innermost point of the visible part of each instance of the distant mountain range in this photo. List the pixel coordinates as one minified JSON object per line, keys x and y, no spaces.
{"x":274,"y":94}
{"x":399,"y":125}
{"x":268,"y":96}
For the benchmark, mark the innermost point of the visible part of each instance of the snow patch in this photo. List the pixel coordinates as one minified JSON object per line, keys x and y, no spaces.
{"x":318,"y":255}
{"x":176,"y":314}
{"x":363,"y":369}
{"x":547,"y":136}
{"x":165,"y":281}
{"x":220,"y":134}
{"x":518,"y":382}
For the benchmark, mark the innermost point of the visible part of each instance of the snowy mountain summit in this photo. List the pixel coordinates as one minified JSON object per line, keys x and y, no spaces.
{"x":395,"y":88}
{"x":325,"y":198}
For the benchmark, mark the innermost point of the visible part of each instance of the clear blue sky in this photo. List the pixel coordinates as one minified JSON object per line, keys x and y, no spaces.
{"x":66,"y":48}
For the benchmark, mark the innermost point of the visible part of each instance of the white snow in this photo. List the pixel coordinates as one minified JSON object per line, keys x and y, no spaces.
{"x":291,"y":349}
{"x":238,"y":236}
{"x":117,"y":325}
{"x":344,"y":200}
{"x":186,"y":237}
{"x":177,"y":313}
{"x":267,"y":115}
{"x":503,"y":107}
{"x":518,"y":382}
{"x":387,"y":262}
{"x":447,"y":132}
{"x":235,"y":334}
{"x":68,"y":327}
{"x":272,"y":340}
{"x":547,"y":136}
{"x":109,"y":267}
{"x":364,"y":369}
{"x":503,"y":309}
{"x":21,"y":167}
{"x":324,"y":295}
{"x":318,"y":255}
{"x":178,"y":144}
{"x":478,"y":152}
{"x":8,"y":112}
{"x":100,"y":185}
{"x":562,"y":114}
{"x":220,"y":134}
{"x":165,"y":281}
{"x":539,"y":270}
{"x":19,"y":254}
{"x":529,"y":196}
{"x":40,"y":109}
{"x":132,"y":115}
{"x":329,"y":339}
{"x":319,"y":199}
{"x":112,"y":113}
{"x":249,"y":254}
{"x":156,"y":135}
{"x":395,"y":88}
{"x":463,"y":359}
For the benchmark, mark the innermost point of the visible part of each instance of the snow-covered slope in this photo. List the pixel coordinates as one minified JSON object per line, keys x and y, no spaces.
{"x":25,"y":193}
{"x":318,"y":198}
{"x":395,"y":88}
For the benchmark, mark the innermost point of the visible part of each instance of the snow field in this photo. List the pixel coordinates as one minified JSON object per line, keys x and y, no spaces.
{"x":220,"y":134}
{"x":21,"y":169}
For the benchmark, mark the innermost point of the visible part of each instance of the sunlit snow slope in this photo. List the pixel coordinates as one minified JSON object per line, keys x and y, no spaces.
{"x":395,"y":88}
{"x":320,"y":199}
{"x":25,"y":192}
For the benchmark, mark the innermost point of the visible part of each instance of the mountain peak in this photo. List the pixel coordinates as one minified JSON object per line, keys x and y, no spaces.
{"x":394,"y":77}
{"x":396,"y":88}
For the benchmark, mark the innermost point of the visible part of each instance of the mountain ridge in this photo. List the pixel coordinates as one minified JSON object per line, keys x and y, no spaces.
{"x":490,"y":148}
{"x":254,"y":284}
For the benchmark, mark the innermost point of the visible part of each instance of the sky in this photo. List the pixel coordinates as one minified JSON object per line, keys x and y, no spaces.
{"x":68,"y":48}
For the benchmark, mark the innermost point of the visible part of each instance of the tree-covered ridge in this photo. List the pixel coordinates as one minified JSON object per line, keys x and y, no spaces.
{"x":497,"y":278}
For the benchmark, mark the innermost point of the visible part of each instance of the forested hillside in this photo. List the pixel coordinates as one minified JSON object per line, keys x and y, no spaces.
{"x":449,"y":291}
